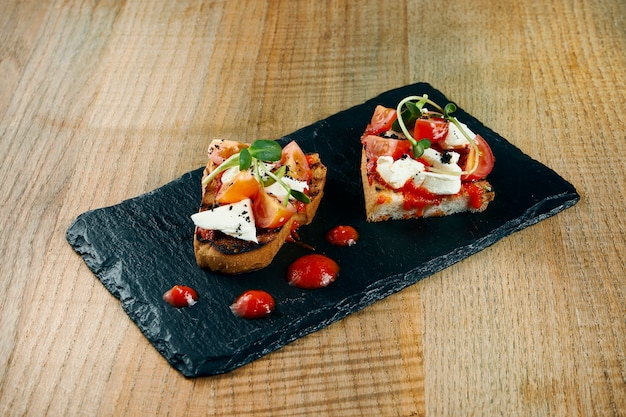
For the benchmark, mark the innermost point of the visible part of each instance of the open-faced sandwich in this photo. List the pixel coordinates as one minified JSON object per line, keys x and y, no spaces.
{"x":424,"y":163}
{"x":253,"y":197}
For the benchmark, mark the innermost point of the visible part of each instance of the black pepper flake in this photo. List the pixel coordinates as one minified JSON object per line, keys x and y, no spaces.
{"x":446,"y":157}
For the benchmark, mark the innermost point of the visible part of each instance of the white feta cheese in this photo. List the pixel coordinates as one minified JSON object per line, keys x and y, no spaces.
{"x":436,"y":159}
{"x":397,"y":173}
{"x":279,"y":191}
{"x":235,"y":220}
{"x":439,"y":184}
{"x":455,"y":138}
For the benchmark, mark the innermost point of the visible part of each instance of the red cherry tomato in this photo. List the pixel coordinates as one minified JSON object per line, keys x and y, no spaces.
{"x":269,"y":213}
{"x":382,"y":120}
{"x":485,"y":160}
{"x":242,"y":186}
{"x":253,"y":304}
{"x":181,"y":296}
{"x":312,"y":272}
{"x":435,"y":129}
{"x":296,"y":162}
{"x":342,"y":236}
{"x":376,"y":146}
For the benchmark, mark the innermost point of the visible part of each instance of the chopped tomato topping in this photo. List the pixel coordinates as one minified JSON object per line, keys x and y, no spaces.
{"x":382,"y":120}
{"x":242,"y":186}
{"x":269,"y":213}
{"x":296,"y":162}
{"x":220,"y":150}
{"x":433,"y":128}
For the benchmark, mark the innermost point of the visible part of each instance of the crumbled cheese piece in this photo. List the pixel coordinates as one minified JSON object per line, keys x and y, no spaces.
{"x":280,"y":192}
{"x":397,"y":173}
{"x":443,"y":161}
{"x":439,"y":184}
{"x":455,"y":138}
{"x":235,"y":220}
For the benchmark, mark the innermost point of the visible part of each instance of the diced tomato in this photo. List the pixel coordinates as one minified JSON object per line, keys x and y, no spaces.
{"x":253,"y":304}
{"x":434,"y":128}
{"x":376,"y":146}
{"x":243,"y":185}
{"x":181,"y":296}
{"x":269,"y":213}
{"x":296,"y":162}
{"x":220,"y":150}
{"x":485,"y":160}
{"x":382,"y":120}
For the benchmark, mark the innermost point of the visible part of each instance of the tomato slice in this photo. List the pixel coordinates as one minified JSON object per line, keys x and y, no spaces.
{"x":376,"y":146}
{"x":269,"y":213}
{"x":296,"y":162}
{"x":220,"y":150}
{"x":243,"y":185}
{"x":485,"y":160}
{"x":382,"y":120}
{"x":433,"y":128}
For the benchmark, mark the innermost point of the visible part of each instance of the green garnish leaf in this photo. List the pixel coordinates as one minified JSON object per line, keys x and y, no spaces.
{"x":265,"y":150}
{"x":450,"y":108}
{"x":280,"y":172}
{"x":300,"y":196}
{"x":419,"y":147}
{"x":245,"y":159}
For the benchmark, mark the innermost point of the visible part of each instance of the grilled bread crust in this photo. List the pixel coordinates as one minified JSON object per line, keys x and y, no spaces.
{"x":382,"y":203}
{"x":222,"y":253}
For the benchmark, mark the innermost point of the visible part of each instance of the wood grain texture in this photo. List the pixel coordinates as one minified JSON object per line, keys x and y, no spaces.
{"x":104,"y":100}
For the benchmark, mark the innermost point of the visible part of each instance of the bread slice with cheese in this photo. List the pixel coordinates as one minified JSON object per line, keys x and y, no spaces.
{"x":232,"y":242}
{"x":383,"y":203}
{"x":444,"y":175}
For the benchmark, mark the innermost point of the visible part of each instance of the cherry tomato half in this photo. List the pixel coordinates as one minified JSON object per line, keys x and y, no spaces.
{"x":434,"y":128}
{"x":242,"y":186}
{"x":253,"y":304}
{"x":382,"y":120}
{"x":376,"y":146}
{"x":485,"y":160}
{"x":269,"y":213}
{"x":296,"y":162}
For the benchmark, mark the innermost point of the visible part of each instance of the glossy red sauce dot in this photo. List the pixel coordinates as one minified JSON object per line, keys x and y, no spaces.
{"x":312,"y":272}
{"x":181,"y":296}
{"x":342,"y":236}
{"x":253,"y":304}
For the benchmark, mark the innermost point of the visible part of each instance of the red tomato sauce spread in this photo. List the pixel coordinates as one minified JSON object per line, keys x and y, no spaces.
{"x":312,"y":272}
{"x":342,"y":236}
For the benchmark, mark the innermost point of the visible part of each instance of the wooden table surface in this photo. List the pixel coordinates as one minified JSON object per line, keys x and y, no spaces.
{"x":101,"y":101}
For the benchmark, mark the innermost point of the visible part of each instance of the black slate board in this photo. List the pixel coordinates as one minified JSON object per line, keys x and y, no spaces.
{"x":143,"y":246}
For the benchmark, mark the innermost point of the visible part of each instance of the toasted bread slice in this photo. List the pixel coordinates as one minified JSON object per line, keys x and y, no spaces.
{"x":222,"y":253}
{"x":382,"y":203}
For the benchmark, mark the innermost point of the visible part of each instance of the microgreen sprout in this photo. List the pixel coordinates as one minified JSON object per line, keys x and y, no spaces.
{"x":414,"y":110}
{"x":256,"y":157}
